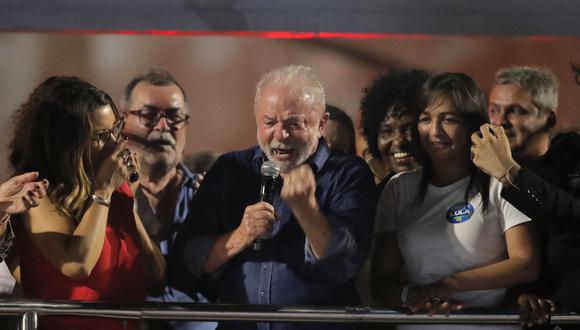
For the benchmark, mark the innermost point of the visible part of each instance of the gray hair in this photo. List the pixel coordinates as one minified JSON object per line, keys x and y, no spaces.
{"x":541,"y":83}
{"x":299,"y":78}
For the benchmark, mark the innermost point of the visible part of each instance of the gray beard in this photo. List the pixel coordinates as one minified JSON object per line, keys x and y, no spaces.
{"x":286,"y":166}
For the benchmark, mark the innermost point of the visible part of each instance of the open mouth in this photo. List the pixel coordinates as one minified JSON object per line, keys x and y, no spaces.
{"x":282,"y":153}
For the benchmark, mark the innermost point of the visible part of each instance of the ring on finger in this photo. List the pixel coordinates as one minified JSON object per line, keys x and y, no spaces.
{"x":435,"y":300}
{"x":124,"y":154}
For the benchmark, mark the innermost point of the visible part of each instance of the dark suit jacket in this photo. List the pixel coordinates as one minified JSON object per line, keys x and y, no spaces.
{"x":552,"y":198}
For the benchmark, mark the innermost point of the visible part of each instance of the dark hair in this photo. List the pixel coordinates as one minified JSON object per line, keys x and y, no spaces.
{"x":469,"y":101}
{"x":52,"y":135}
{"x":345,"y":124}
{"x":155,"y":77}
{"x":390,"y":94}
{"x":576,"y":71}
{"x":200,"y":161}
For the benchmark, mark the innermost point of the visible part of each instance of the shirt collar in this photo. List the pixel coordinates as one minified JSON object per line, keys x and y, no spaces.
{"x":189,"y":178}
{"x":316,"y":161}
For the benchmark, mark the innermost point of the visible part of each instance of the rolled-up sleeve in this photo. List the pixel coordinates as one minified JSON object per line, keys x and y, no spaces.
{"x":349,"y":208}
{"x":199,"y":231}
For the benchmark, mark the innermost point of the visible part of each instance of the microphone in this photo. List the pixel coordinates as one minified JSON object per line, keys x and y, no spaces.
{"x":270,"y":172}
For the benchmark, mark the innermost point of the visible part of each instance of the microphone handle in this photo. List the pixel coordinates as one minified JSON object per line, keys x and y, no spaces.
{"x":266,"y":195}
{"x":258,"y":244}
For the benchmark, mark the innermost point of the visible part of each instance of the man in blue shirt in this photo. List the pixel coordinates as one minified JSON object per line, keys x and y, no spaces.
{"x":156,"y":123}
{"x":317,"y":231}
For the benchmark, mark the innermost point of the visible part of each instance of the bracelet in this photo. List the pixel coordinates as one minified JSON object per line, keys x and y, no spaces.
{"x":404,"y":294}
{"x":100,"y":200}
{"x":507,"y":177}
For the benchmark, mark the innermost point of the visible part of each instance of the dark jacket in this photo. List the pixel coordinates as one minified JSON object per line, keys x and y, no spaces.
{"x":551,"y":197}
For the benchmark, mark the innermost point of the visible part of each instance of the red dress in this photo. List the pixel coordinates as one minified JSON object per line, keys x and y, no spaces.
{"x":117,"y":276}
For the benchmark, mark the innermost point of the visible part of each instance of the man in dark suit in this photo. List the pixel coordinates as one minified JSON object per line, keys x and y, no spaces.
{"x":540,"y":175}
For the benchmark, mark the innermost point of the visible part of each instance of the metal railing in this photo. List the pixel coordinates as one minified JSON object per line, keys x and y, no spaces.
{"x":31,"y":310}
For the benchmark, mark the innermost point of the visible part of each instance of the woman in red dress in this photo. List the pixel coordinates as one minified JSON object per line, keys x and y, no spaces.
{"x":84,"y":241}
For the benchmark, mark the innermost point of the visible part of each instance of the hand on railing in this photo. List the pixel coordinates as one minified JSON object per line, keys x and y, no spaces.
{"x":534,"y":310}
{"x":433,"y":299}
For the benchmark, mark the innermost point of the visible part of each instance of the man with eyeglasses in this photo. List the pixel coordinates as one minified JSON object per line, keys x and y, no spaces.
{"x":541,"y":177}
{"x":156,"y":120}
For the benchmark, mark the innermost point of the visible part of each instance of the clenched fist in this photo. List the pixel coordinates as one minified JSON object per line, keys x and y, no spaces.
{"x":256,"y":222}
{"x":299,"y":188}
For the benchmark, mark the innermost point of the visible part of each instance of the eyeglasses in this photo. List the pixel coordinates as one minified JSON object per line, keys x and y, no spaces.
{"x":113,"y":133}
{"x":150,"y":118}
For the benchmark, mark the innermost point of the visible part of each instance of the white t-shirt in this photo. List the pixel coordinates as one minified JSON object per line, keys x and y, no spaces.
{"x":443,"y":235}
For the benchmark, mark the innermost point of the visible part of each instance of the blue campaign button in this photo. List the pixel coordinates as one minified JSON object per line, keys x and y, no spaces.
{"x":459,"y":212}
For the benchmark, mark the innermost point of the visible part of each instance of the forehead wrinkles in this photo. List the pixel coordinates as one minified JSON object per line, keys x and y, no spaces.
{"x":163,"y":97}
{"x":307,"y":94}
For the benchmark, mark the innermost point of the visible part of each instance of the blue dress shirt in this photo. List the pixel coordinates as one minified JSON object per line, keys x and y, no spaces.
{"x":285,"y":271}
{"x":185,"y":293}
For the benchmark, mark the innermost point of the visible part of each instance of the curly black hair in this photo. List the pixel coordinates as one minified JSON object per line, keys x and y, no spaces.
{"x":390,"y":93}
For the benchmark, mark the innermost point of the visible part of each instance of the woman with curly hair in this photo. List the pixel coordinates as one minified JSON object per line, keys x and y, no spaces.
{"x":387,"y":121}
{"x":84,"y":240}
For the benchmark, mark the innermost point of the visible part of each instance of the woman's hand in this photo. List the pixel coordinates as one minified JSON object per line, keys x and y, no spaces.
{"x":20,"y":193}
{"x":134,"y":165}
{"x":114,"y":170}
{"x":434,"y":299}
{"x":534,"y":310}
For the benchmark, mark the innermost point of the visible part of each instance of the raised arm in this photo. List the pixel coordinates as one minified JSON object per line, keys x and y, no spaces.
{"x":528,"y":191}
{"x":20,"y":193}
{"x":75,"y":249}
{"x":338,"y":228}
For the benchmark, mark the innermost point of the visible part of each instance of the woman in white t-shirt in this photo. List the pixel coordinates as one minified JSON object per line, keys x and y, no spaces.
{"x":446,"y":239}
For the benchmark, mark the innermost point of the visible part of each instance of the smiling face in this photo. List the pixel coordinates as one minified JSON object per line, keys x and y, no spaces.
{"x":511,"y":106}
{"x":160,"y":145}
{"x":443,"y":134}
{"x":288,"y":126}
{"x":395,"y":142}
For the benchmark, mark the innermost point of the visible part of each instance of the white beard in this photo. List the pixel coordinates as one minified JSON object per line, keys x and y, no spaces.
{"x":303,"y":152}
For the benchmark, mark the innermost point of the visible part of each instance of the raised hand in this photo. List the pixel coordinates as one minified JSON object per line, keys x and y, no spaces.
{"x":491,"y":151}
{"x":114,"y":169}
{"x":131,"y":160}
{"x":256,"y":222}
{"x":20,"y":193}
{"x":299,"y":188}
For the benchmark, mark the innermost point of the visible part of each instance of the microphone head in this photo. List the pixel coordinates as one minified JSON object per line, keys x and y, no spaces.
{"x":270,"y":169}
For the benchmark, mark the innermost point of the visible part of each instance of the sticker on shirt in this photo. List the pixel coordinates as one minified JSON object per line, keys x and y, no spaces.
{"x":459,"y":212}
